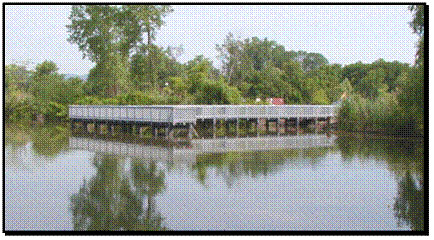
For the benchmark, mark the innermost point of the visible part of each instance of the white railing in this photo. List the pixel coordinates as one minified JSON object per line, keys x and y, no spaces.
{"x":160,"y":114}
{"x":190,"y":113}
{"x":263,"y":111}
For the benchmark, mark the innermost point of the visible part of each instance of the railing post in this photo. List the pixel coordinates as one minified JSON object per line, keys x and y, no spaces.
{"x":214,"y":127}
{"x":137,"y":128}
{"x":267,"y":125}
{"x":227,"y":125}
{"x":297,"y":124}
{"x":190,"y":130}
{"x":278,"y":126}
{"x":110,"y":128}
{"x":238,"y":127}
{"x":257,"y":126}
{"x":154,"y":131}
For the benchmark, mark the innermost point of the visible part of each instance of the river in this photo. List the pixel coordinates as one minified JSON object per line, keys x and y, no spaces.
{"x":57,"y":180}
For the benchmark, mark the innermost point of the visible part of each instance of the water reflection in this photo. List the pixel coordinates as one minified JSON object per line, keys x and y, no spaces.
{"x":232,"y":157}
{"x":36,"y":146}
{"x":405,"y":158}
{"x":305,"y":182}
{"x":409,"y":204}
{"x":113,"y":199}
{"x":253,"y":164}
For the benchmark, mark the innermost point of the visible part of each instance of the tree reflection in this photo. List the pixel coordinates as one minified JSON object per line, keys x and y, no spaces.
{"x":108,"y":201}
{"x":46,"y":141}
{"x":16,"y":135}
{"x":405,"y":158}
{"x":234,"y":165}
{"x":148,"y":182}
{"x":23,"y":142}
{"x":409,"y":204}
{"x":50,"y":141}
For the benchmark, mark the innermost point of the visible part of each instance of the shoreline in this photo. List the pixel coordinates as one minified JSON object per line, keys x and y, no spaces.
{"x":339,"y":133}
{"x":376,"y":135}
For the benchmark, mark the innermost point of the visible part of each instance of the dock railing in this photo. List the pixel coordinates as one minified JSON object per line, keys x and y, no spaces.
{"x":161,"y":114}
{"x":186,"y":114}
{"x":263,"y":111}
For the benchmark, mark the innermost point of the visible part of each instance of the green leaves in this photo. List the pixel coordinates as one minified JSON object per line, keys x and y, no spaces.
{"x":107,"y":35}
{"x":370,"y":85}
{"x":320,"y":98}
{"x":418,"y":19}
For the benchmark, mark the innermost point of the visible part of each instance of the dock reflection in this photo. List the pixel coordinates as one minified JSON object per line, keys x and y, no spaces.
{"x":187,"y":152}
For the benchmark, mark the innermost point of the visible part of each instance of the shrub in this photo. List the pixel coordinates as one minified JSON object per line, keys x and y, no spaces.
{"x":18,"y":107}
{"x":320,"y":98}
{"x":110,"y":101}
{"x":56,"y":112}
{"x":89,"y":100}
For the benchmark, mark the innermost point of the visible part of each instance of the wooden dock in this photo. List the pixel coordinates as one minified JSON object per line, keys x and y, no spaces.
{"x":170,"y":117}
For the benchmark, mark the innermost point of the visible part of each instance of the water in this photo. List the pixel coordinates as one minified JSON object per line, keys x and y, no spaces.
{"x":55,"y":180}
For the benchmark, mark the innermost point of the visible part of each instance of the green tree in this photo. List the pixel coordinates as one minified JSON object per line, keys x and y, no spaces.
{"x":355,"y":72}
{"x":411,"y":86}
{"x":328,"y":78}
{"x":109,"y":77}
{"x":346,"y":87}
{"x":391,"y":70}
{"x":103,"y":37}
{"x":311,"y":61}
{"x":217,"y":92}
{"x":46,"y":85}
{"x":17,"y":76}
{"x":418,"y":22}
{"x":149,"y":19}
{"x":107,"y":35}
{"x":165,"y":66}
{"x":233,"y":60}
{"x":18,"y":106}
{"x":370,"y":85}
{"x":72,"y":91}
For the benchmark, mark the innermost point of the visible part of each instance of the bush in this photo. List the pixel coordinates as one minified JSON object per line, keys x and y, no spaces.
{"x":18,"y":107}
{"x":380,"y":115}
{"x":110,"y":101}
{"x":347,"y":116}
{"x":217,"y":92}
{"x":56,"y":112}
{"x":89,"y":100}
{"x":320,"y":98}
{"x":140,"y":98}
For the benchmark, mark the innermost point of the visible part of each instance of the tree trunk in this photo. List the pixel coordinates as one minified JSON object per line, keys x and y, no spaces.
{"x":151,"y":70}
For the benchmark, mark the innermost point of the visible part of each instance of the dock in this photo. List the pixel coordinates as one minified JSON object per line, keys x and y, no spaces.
{"x":171,"y":117}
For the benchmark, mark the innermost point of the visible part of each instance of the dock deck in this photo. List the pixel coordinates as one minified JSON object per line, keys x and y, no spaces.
{"x":171,"y":117}
{"x":189,"y":114}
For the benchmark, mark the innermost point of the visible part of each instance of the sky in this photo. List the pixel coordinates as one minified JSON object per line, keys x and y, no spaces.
{"x":343,"y":34}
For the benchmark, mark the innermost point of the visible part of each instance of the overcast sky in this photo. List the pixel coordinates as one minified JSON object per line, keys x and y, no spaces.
{"x":343,"y":34}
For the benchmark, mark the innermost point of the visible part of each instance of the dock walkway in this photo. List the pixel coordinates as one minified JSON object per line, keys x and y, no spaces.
{"x":186,"y":116}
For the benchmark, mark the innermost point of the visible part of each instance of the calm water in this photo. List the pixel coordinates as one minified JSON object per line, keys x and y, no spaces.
{"x":56,"y":180}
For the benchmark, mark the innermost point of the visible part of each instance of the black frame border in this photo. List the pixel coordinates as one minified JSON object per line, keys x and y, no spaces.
{"x":425,"y":232}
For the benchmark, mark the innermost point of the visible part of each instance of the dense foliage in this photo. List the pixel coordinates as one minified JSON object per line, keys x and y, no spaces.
{"x":389,"y":97}
{"x":131,"y":70}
